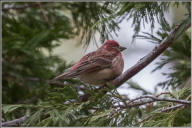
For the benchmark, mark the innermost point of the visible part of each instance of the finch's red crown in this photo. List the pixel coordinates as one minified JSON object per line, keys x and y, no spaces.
{"x":112,"y":46}
{"x":110,"y":43}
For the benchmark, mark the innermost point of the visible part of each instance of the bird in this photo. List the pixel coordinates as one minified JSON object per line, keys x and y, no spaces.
{"x":97,"y":67}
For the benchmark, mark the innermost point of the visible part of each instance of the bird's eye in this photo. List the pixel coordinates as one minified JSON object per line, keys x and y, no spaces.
{"x":116,"y":47}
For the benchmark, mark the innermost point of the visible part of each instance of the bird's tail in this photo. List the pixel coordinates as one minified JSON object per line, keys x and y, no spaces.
{"x":62,"y":76}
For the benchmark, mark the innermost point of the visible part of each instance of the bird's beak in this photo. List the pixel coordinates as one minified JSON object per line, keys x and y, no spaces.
{"x":122,"y":48}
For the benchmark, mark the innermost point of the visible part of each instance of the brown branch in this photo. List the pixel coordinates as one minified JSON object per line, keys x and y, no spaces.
{"x":172,"y":107}
{"x":142,"y":63}
{"x":143,"y":100}
{"x":15,"y":122}
{"x":153,"y":99}
{"x":166,"y":93}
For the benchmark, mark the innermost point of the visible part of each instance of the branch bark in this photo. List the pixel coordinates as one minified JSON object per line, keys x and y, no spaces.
{"x":139,"y":101}
{"x":142,"y":63}
{"x":153,"y":99}
{"x":15,"y":122}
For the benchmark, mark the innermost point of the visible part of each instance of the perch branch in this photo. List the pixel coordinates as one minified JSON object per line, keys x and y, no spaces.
{"x":142,"y":63}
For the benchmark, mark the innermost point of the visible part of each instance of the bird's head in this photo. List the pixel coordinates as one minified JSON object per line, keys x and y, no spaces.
{"x":112,"y":46}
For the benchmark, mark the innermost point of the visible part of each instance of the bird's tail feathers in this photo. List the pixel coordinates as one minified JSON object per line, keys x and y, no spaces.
{"x":62,"y":76}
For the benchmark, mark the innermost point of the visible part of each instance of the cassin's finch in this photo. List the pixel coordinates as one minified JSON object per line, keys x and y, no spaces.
{"x":98,"y":67}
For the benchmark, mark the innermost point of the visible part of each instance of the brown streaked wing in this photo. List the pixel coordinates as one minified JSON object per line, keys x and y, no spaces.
{"x":97,"y":63}
{"x":91,"y":62}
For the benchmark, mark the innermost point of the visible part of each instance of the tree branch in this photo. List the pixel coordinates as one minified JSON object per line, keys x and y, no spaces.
{"x":15,"y":122}
{"x":153,"y":99}
{"x":142,"y":63}
{"x":172,"y":107}
{"x":166,"y":93}
{"x":135,"y":102}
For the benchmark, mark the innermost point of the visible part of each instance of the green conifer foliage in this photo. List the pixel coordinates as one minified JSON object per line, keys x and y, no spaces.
{"x":30,"y":28}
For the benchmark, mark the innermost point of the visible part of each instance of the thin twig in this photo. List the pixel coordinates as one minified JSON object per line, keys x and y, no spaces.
{"x":172,"y":107}
{"x":166,"y":93}
{"x":134,"y":102}
{"x":153,"y":99}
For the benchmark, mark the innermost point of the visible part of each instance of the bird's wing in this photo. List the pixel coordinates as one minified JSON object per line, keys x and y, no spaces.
{"x":91,"y":62}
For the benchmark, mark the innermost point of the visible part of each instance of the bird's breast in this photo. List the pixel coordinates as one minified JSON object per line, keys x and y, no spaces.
{"x":97,"y":77}
{"x":100,"y":77}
